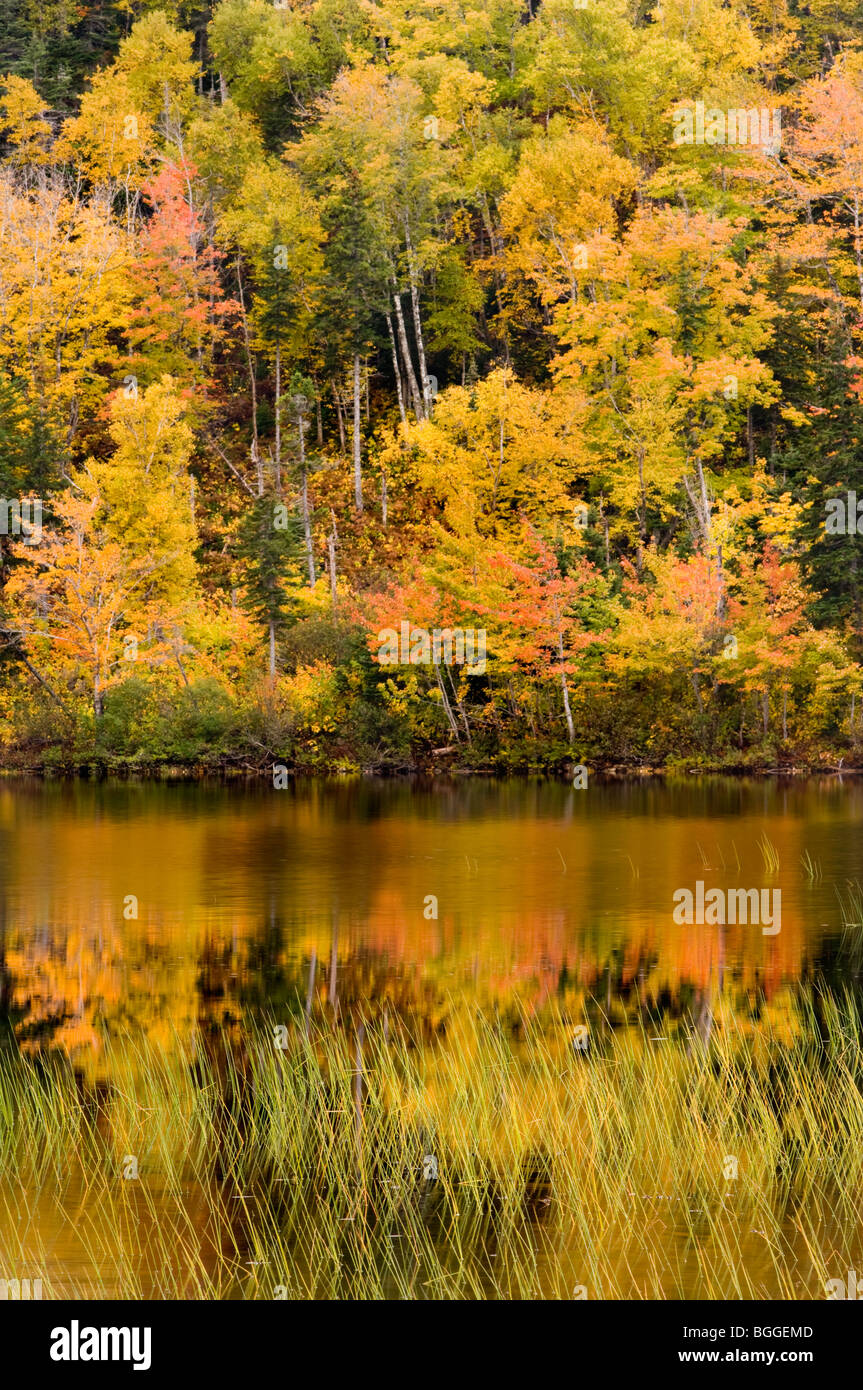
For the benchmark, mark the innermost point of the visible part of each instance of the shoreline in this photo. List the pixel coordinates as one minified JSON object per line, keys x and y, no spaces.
{"x":99,"y":770}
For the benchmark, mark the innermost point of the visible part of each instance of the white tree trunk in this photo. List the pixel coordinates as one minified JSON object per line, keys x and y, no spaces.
{"x":358,"y":476}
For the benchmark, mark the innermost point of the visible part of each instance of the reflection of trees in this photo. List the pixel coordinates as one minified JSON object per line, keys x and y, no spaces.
{"x":258,"y":885}
{"x":5,"y":976}
{"x":838,"y":962}
{"x":66,"y":985}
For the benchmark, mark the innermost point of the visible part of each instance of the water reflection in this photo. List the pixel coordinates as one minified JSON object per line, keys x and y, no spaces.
{"x":158,"y":907}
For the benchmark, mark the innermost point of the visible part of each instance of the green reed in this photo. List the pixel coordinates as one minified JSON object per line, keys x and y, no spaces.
{"x":366,"y":1164}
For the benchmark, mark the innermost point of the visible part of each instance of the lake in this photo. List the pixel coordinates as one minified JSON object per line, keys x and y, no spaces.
{"x":149,"y":919}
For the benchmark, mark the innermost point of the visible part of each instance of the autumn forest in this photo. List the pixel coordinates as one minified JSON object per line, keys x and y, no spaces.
{"x":329,"y":319}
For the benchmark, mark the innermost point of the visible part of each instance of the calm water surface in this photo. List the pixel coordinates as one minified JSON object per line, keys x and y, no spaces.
{"x":232,"y":890}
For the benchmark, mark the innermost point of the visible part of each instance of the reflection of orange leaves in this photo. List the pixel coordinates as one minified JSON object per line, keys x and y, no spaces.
{"x":553,"y":938}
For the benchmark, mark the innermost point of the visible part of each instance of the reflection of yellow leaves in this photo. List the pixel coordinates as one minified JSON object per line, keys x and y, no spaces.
{"x":74,"y":962}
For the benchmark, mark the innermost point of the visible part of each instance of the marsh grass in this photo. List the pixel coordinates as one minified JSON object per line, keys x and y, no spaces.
{"x":299,"y":1172}
{"x":851,"y":909}
{"x":811,"y":867}
{"x":769,"y":854}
